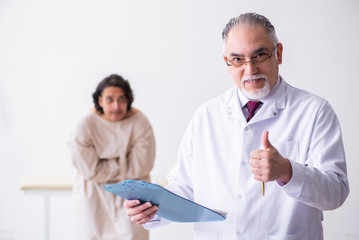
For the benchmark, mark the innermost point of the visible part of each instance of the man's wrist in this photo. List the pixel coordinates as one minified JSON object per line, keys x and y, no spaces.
{"x":287,"y":173}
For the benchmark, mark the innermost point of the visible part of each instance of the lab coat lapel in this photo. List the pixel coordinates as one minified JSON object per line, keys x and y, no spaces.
{"x":234,"y":108}
{"x":268,"y":110}
{"x":272,"y":104}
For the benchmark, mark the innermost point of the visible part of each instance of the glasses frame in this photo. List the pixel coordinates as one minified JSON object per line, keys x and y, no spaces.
{"x":253,"y":60}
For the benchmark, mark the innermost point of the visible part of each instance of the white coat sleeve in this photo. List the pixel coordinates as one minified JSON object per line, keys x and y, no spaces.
{"x":322,"y":182}
{"x":180,"y":178}
{"x":85,"y":158}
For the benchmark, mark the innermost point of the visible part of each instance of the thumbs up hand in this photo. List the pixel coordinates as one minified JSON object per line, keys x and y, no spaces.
{"x":268,"y":164}
{"x":265,"y":141}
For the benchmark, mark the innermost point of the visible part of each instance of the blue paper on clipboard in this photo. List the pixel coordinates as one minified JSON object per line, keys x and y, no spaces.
{"x":170,"y":206}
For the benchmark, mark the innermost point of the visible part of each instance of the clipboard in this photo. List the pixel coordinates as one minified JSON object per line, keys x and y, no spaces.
{"x":170,"y":206}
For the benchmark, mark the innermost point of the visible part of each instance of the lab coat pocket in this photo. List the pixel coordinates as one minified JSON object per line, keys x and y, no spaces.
{"x":288,"y":149}
{"x":297,"y":236}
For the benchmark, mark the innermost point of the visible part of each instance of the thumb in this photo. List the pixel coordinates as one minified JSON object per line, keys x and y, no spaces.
{"x":265,"y":141}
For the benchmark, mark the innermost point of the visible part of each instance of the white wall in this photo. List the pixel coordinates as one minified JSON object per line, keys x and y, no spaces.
{"x":53,"y":54}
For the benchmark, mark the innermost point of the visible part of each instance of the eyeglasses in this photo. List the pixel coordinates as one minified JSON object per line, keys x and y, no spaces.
{"x":258,"y":58}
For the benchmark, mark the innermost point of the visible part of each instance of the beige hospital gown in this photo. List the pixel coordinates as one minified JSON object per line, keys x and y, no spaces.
{"x":106,"y":152}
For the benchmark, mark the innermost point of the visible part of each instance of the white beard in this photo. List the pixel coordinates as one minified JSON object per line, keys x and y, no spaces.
{"x":259,"y":93}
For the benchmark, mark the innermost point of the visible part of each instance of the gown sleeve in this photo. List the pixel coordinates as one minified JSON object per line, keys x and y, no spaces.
{"x":86,"y":160}
{"x":141,"y":150}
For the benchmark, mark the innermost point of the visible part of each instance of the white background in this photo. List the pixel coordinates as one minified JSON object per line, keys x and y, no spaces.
{"x":53,"y":54}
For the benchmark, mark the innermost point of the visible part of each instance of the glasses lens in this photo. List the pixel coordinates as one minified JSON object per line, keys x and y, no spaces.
{"x":236,"y":61}
{"x":261,"y":57}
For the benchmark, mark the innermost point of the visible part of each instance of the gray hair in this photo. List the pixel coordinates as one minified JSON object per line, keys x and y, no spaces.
{"x":250,"y":20}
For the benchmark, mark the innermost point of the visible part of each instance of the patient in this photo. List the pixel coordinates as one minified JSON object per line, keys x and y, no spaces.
{"x":110,"y":143}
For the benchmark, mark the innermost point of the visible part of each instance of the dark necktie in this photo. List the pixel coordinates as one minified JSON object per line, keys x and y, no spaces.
{"x":252,"y":107}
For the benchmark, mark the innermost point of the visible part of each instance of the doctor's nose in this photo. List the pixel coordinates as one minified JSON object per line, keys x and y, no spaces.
{"x":250,"y":68}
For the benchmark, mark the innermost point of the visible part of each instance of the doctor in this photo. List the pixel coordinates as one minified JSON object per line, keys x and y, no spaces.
{"x":291,"y":141}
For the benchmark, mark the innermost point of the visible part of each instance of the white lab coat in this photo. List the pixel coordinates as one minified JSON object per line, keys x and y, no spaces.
{"x":213,"y":166}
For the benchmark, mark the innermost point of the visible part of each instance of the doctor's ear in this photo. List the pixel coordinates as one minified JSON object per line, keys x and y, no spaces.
{"x":279,"y":53}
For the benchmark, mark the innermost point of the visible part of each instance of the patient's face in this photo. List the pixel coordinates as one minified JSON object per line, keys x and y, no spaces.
{"x":113,"y":103}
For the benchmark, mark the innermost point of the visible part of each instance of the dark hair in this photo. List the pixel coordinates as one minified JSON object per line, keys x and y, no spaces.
{"x":113,"y":80}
